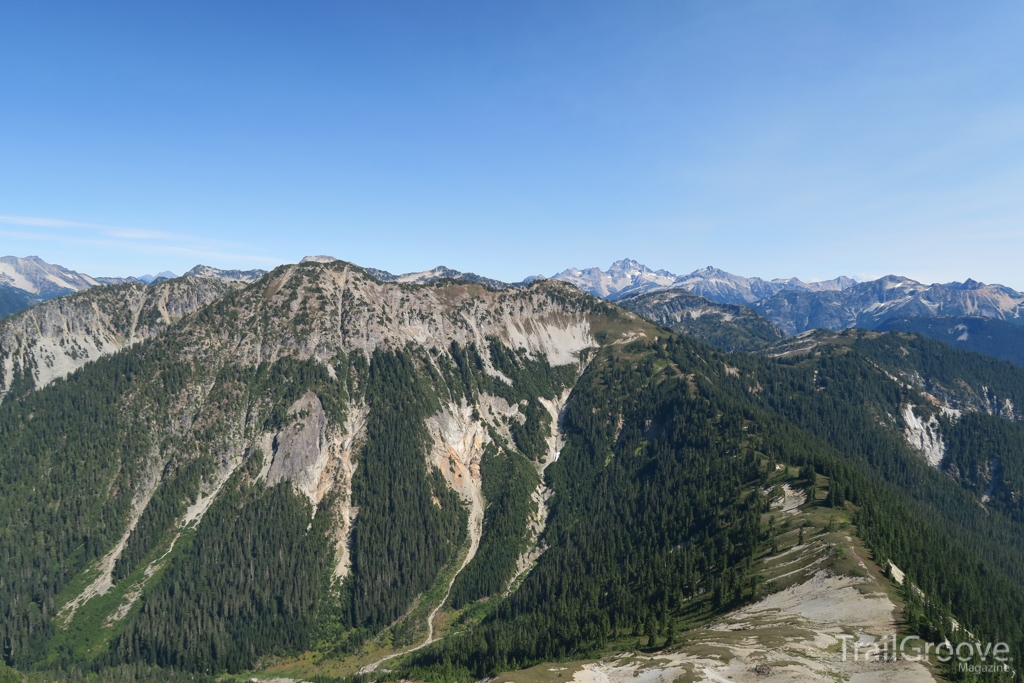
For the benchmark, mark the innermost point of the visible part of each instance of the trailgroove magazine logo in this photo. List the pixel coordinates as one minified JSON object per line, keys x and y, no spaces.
{"x":968,"y":656}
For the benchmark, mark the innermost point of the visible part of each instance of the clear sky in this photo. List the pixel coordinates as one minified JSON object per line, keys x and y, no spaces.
{"x":777,"y":139}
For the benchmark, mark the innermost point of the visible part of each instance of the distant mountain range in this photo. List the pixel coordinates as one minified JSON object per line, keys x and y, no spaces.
{"x":25,"y":282}
{"x":627,"y":277}
{"x":970,"y":315}
{"x":869,"y":304}
{"x":797,"y":306}
{"x":768,"y":308}
{"x":740,"y":313}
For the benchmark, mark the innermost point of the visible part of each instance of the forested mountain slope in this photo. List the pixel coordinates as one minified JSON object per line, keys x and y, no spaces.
{"x":13,"y":300}
{"x":998,"y":338}
{"x":833,"y":411}
{"x":322,"y":460}
{"x":382,"y":404}
{"x":953,"y":378}
{"x":958,"y":410}
{"x":730,"y":327}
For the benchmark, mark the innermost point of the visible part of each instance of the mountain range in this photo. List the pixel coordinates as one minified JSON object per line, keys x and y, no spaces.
{"x":329,"y":472}
{"x":627,"y":277}
{"x":795,"y":307}
{"x":790,"y":305}
{"x":25,"y":282}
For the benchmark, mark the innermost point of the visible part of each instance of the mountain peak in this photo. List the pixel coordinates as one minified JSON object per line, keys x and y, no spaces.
{"x":628,"y":276}
{"x":628,"y":264}
{"x":318,"y":259}
{"x":209,"y":273}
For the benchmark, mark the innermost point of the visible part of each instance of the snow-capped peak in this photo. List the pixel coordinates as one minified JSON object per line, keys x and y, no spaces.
{"x":628,"y":276}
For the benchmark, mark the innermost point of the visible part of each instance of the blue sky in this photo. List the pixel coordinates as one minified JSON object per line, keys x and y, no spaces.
{"x":778,"y":139}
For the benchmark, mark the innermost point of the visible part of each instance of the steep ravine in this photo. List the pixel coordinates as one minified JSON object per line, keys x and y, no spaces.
{"x":543,"y":493}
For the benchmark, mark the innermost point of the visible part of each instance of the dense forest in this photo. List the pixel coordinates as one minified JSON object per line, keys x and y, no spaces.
{"x":986,"y":455}
{"x":654,"y":516}
{"x":248,"y":584}
{"x":62,"y":444}
{"x":648,"y":513}
{"x":999,"y":338}
{"x":410,"y":523}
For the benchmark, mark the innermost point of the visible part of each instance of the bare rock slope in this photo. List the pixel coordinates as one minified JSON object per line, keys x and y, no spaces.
{"x":59,"y":336}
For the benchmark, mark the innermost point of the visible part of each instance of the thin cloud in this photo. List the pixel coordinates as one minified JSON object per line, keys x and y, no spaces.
{"x":134,"y":240}
{"x":39,"y":222}
{"x":144,"y":248}
{"x":134,"y":234}
{"x":108,"y":230}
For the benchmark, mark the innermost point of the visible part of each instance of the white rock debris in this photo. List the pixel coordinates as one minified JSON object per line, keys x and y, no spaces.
{"x":924,"y":436}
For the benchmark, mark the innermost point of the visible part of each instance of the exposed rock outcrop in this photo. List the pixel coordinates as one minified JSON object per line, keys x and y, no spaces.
{"x":57,"y":337}
{"x":924,"y":436}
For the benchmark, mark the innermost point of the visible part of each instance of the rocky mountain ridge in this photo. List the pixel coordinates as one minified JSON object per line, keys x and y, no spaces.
{"x":45,"y":280}
{"x":424,"y":277}
{"x":627,"y":276}
{"x":25,"y":282}
{"x":731,"y":327}
{"x":869,"y":304}
{"x":56,"y":337}
{"x":791,"y":304}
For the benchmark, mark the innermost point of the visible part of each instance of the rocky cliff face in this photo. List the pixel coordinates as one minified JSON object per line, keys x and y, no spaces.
{"x":59,"y":336}
{"x":25,"y":282}
{"x":313,"y":310}
{"x":45,"y":280}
